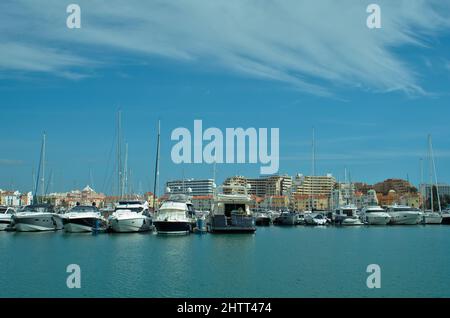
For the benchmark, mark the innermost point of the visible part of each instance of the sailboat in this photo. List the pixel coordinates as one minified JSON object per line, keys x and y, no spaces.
{"x":431,"y":217}
{"x":38,"y":217}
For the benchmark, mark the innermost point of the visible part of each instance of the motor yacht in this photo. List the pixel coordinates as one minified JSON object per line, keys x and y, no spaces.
{"x":404,"y":215}
{"x":375,"y":215}
{"x":130,"y":216}
{"x":83,"y":219}
{"x":39,"y":217}
{"x":315,"y":219}
{"x":175,"y":216}
{"x":231,"y":212}
{"x":346,"y":215}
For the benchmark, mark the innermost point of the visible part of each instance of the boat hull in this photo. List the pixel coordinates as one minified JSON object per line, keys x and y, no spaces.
{"x":410,"y":218}
{"x":4,"y":223}
{"x":446,"y":219}
{"x":173,"y":227}
{"x":80,"y":225}
{"x":130,"y":225}
{"x":38,"y":223}
{"x":235,"y":224}
{"x":432,"y":218}
{"x":378,"y":219}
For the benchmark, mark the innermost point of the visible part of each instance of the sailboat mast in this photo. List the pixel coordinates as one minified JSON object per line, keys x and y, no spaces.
{"x":125,"y":173}
{"x":313,"y":168}
{"x":155,"y":190}
{"x":430,"y":173}
{"x":435,"y":175}
{"x":119,"y":155}
{"x":422,"y":188}
{"x":43,"y":165}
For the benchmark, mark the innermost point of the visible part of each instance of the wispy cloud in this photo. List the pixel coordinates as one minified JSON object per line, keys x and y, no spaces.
{"x":10,"y":162}
{"x":317,"y":47}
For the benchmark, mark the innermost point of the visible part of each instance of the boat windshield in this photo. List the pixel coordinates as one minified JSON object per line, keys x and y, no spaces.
{"x":138,"y":209}
{"x":402,"y":209}
{"x":82,"y":209}
{"x":3,"y":210}
{"x":39,"y":208}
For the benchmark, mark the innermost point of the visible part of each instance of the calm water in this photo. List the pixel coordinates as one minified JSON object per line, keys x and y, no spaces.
{"x":275,"y":262}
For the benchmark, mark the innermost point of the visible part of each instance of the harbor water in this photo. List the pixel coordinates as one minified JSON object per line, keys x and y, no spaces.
{"x":274,"y":262}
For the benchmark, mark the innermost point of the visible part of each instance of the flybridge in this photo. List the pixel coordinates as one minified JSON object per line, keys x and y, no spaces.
{"x":241,"y":146}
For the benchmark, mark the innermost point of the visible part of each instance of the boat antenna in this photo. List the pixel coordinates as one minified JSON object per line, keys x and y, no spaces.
{"x":155,"y":190}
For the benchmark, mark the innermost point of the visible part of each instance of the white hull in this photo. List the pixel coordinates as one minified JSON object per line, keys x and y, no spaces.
{"x":405,"y":218}
{"x":378,"y":218}
{"x":3,"y":226}
{"x":22,"y":227}
{"x":351,"y":222}
{"x":76,"y":228}
{"x":130,"y":225}
{"x":432,"y":218}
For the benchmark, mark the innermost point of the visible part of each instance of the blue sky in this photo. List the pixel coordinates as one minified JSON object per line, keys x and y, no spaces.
{"x":372,"y":95}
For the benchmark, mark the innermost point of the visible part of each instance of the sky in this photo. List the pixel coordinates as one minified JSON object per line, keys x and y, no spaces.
{"x":372,"y":95}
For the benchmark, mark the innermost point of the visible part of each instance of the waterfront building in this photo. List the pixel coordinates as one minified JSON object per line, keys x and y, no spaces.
{"x":87,"y":196}
{"x":304,"y":202}
{"x":15,"y":198}
{"x":199,"y":187}
{"x":263,"y":186}
{"x":202,"y":202}
{"x":314,"y":185}
{"x":275,"y":202}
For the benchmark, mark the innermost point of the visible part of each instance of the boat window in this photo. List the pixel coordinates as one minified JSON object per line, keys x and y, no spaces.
{"x":229,"y":208}
{"x":81,"y":208}
{"x":138,"y":210}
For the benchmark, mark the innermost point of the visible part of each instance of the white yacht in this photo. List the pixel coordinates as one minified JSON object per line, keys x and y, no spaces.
{"x":6,"y":214}
{"x":375,"y":215}
{"x":231,"y":211}
{"x":83,"y":219}
{"x":429,"y":217}
{"x":175,"y":216}
{"x":39,"y":217}
{"x":312,"y":218}
{"x":130,"y":216}
{"x":346,"y":215}
{"x":404,"y":215}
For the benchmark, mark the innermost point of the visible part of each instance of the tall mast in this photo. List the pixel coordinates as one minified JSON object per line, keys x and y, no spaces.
{"x":36,"y":188}
{"x":422,"y":188}
{"x":435,"y":175}
{"x":313,"y":168}
{"x":125,"y":173}
{"x":430,"y":173}
{"x":155,"y":186}
{"x":43,"y":165}
{"x":119,"y":155}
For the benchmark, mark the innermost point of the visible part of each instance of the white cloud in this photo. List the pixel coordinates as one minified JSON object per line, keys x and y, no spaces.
{"x":315,"y":46}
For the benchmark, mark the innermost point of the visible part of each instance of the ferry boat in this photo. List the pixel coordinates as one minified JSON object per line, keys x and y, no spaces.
{"x":231,"y":212}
